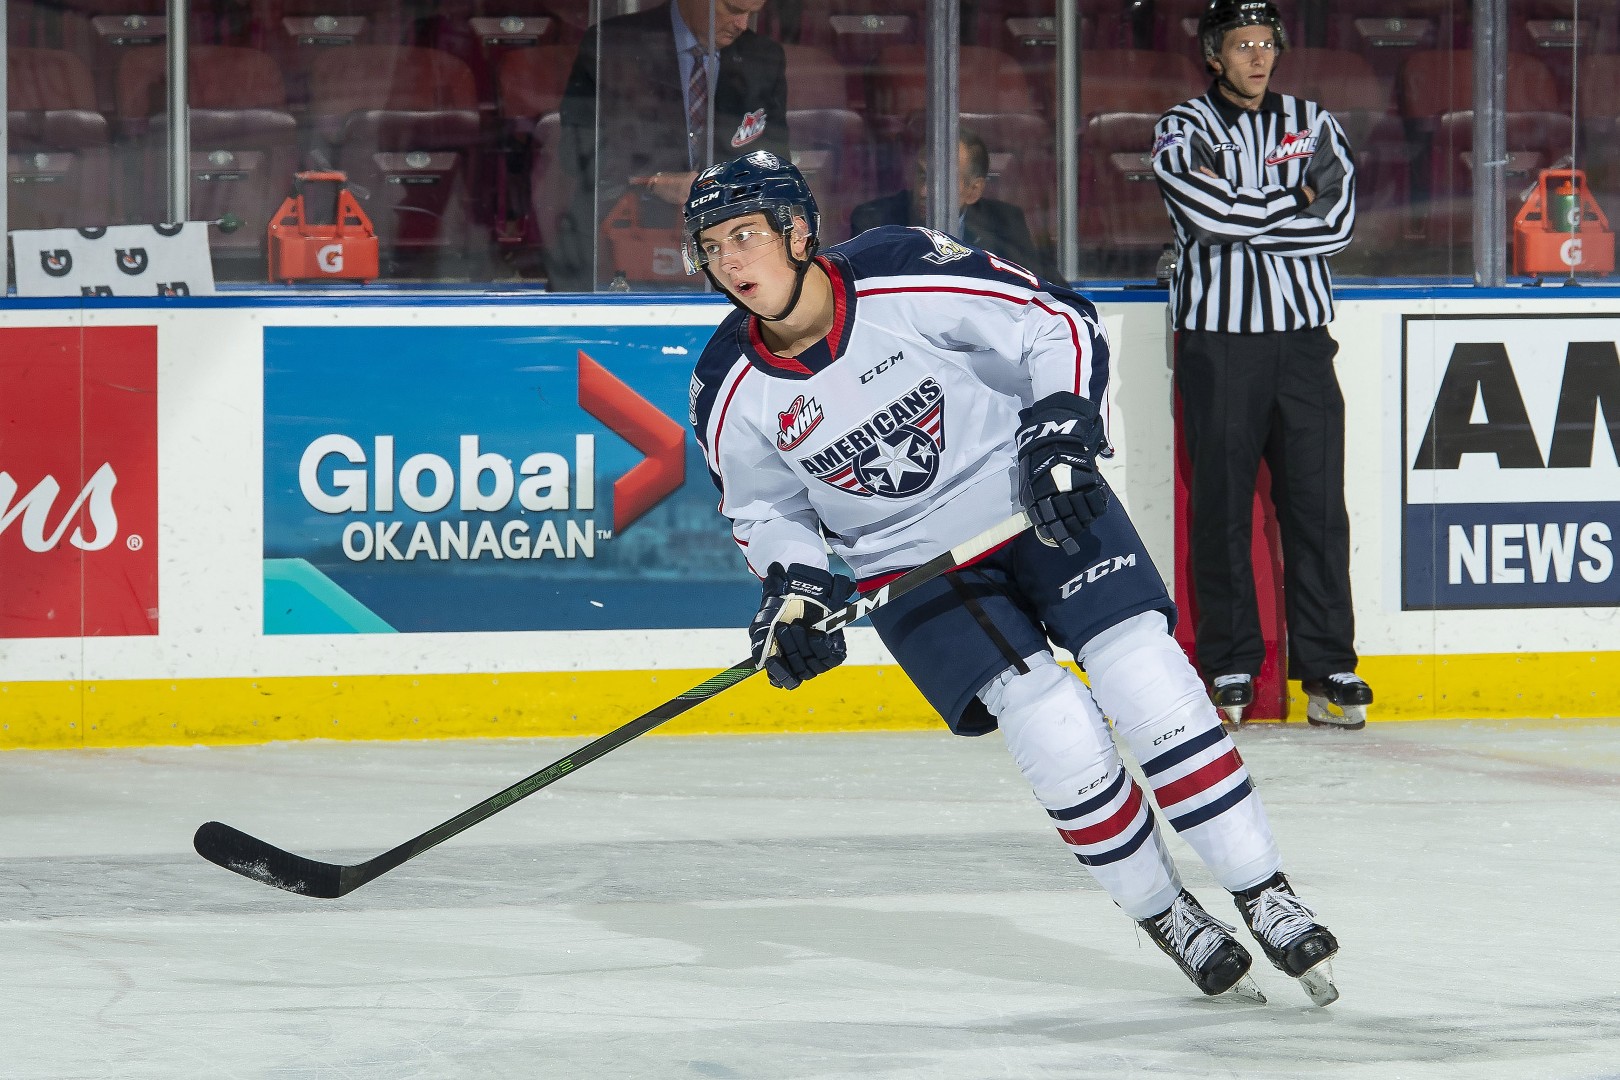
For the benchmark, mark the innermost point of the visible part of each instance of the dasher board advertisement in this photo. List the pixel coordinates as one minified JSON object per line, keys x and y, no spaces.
{"x":1510,"y":484}
{"x":433,"y":479}
{"x":78,"y":482}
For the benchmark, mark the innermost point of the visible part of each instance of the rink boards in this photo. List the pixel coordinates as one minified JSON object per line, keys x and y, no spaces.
{"x":246,"y":517}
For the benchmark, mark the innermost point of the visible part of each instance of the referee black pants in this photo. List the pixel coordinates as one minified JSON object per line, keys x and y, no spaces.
{"x":1272,"y":395}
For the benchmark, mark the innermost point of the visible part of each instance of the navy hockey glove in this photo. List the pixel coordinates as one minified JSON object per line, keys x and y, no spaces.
{"x":1058,"y":483}
{"x":786,"y":644}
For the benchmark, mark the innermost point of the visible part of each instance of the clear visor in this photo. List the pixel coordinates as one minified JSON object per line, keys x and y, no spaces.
{"x":736,"y":239}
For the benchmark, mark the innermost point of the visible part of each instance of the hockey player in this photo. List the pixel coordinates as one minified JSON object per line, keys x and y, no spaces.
{"x":902,"y":391}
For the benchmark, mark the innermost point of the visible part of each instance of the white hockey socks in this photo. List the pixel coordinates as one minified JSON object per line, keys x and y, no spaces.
{"x":1143,"y":681}
{"x":1062,"y":745}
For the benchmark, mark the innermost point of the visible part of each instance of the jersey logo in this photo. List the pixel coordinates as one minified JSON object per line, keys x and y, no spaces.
{"x":751,"y":128}
{"x":1169,"y":140}
{"x":796,"y":424}
{"x":945,"y":249}
{"x":894,"y":454}
{"x":1295,"y":144}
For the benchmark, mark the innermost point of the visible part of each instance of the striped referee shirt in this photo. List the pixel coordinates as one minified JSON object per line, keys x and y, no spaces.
{"x":1251,"y":253}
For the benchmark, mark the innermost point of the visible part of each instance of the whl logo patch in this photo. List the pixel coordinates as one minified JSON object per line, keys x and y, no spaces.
{"x":894,"y":454}
{"x":1295,"y":144}
{"x":797,"y":422}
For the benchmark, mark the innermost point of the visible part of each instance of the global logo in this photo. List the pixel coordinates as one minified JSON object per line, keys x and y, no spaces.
{"x":894,"y":454}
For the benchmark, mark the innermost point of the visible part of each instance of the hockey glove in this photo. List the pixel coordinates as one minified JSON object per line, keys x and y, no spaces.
{"x":1058,"y":483}
{"x":786,"y":644}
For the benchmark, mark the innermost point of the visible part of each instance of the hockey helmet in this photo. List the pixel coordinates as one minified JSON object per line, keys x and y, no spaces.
{"x":1224,"y":15}
{"x":759,"y":182}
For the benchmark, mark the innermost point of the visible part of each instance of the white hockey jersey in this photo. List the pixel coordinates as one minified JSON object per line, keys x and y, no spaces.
{"x":893,"y":437}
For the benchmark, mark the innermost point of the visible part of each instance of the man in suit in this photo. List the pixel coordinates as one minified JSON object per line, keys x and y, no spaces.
{"x":995,"y":226}
{"x":660,"y":80}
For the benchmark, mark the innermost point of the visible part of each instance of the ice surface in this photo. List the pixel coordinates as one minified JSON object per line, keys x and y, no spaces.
{"x":794,"y":908}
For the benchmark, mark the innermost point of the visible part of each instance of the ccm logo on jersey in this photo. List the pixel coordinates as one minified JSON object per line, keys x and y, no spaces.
{"x":797,"y":422}
{"x":868,"y":376}
{"x":1295,"y":144}
{"x":1092,"y":573}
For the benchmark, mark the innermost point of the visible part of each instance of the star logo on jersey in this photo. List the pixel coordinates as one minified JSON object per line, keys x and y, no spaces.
{"x":796,"y":424}
{"x":1295,"y":144}
{"x":894,"y":454}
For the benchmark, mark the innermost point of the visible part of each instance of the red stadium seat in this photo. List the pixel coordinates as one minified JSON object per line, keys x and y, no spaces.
{"x":402,"y":122}
{"x":57,"y":157}
{"x":1345,"y":83}
{"x":531,"y":190}
{"x":1122,"y":95}
{"x":1437,"y":100}
{"x":832,"y":144}
{"x":1600,"y":129}
{"x":244,"y":142}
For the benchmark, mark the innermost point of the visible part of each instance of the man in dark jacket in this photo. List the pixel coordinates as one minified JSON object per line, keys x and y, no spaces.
{"x":998,"y":227}
{"x":671,"y":102}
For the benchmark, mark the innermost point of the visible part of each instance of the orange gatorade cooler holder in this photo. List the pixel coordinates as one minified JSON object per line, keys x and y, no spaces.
{"x":1560,"y":229}
{"x":320,"y":233}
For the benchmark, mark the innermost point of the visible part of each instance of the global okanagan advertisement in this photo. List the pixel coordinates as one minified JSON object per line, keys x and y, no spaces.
{"x":458,"y":479}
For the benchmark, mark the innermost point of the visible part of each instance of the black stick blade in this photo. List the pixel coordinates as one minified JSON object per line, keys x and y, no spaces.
{"x":251,"y":857}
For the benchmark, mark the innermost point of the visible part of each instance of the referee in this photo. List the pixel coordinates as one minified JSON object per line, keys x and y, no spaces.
{"x":1260,"y":187}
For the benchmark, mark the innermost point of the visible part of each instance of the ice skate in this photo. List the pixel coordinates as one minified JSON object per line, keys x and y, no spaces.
{"x":1232,"y":694}
{"x":1204,"y":948}
{"x":1339,"y":700}
{"x":1294,"y":942}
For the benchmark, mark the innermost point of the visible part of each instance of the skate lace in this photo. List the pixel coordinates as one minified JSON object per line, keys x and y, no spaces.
{"x":1280,"y":917}
{"x":1194,"y":933}
{"x":1346,"y":679}
{"x":1229,"y":680}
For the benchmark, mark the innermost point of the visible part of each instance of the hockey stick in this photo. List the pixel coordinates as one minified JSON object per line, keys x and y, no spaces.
{"x":251,"y":857}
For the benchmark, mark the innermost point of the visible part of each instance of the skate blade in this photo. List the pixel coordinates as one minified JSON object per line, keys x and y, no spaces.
{"x":1320,"y":714}
{"x":1318,"y":984}
{"x":1245,"y":990}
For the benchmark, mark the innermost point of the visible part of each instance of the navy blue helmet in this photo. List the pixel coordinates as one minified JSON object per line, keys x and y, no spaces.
{"x":1224,"y":15}
{"x":759,"y":182}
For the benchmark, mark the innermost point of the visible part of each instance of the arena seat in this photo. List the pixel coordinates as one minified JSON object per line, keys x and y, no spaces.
{"x":1600,"y":129}
{"x":57,"y":157}
{"x":832,"y":144}
{"x":1123,"y":93}
{"x":402,"y":122}
{"x":1345,"y":83}
{"x":244,"y":142}
{"x":530,"y":188}
{"x":1437,"y":94}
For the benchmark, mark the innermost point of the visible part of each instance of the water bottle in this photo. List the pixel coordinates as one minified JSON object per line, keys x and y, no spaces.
{"x":1166,"y":269}
{"x":619,"y":283}
{"x":1564,"y":208}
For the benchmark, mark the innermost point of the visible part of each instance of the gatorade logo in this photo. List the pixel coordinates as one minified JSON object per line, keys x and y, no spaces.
{"x":58,"y":263}
{"x":132,"y":261}
{"x":330,"y":259}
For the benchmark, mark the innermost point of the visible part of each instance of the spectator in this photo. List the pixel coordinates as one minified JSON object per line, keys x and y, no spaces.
{"x":654,"y":71}
{"x":1261,"y":190}
{"x":995,"y":226}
